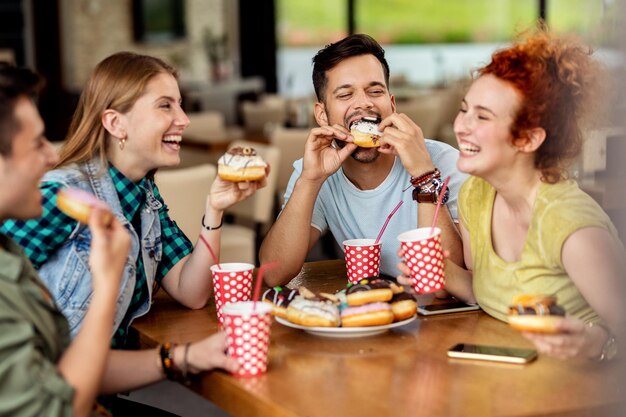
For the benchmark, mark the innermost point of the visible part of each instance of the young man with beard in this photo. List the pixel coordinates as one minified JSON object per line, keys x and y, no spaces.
{"x":350,"y":190}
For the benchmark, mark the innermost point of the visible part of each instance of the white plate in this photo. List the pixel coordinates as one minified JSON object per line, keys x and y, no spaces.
{"x":345,"y":331}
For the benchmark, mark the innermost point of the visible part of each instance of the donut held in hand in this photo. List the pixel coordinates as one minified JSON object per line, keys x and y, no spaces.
{"x":241,"y":164}
{"x":78,"y":204}
{"x":365,"y":132}
{"x":535,"y":313}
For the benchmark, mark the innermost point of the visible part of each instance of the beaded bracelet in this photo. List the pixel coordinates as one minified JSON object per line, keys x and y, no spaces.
{"x":167,"y":360}
{"x":424,"y":178}
{"x":209,"y":228}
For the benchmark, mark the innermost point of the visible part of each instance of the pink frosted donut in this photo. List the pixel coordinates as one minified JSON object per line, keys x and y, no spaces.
{"x":372,"y":314}
{"x":78,"y":205}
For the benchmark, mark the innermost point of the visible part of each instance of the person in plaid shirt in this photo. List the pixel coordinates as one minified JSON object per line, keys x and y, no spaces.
{"x":43,"y":370}
{"x":129,"y":123}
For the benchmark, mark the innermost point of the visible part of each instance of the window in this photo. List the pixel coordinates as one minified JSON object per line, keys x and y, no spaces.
{"x":310,"y":23}
{"x":157,"y":21}
{"x":449,"y":21}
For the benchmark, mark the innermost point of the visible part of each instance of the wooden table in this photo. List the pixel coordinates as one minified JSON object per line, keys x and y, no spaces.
{"x":404,"y":372}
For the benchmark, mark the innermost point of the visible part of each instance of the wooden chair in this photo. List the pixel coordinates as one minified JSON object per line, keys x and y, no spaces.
{"x":184,"y":191}
{"x":291,"y":142}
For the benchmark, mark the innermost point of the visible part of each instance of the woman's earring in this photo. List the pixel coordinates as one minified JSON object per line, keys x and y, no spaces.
{"x":122,"y":143}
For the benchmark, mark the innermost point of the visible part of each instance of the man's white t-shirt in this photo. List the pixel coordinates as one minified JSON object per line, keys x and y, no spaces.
{"x":350,"y":213}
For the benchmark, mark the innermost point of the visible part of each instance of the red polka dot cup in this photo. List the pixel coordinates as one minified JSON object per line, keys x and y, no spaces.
{"x":424,"y":256}
{"x":232,"y":282}
{"x":248,"y":335}
{"x":362,"y":258}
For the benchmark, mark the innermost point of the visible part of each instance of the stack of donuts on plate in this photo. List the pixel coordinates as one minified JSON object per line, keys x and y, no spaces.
{"x":370,"y":302}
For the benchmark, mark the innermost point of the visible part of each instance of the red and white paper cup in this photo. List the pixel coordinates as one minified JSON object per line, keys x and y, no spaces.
{"x":424,"y":256}
{"x":362,"y":258}
{"x":232,"y":282}
{"x":248,"y":335}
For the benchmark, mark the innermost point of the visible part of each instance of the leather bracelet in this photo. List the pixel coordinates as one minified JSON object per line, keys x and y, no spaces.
{"x":167,"y":360}
{"x":209,"y":228}
{"x":427,"y":176}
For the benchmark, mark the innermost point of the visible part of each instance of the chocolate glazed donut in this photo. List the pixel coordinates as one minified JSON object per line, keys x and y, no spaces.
{"x":535,"y":313}
{"x":280,"y":298}
{"x":368,"y":290}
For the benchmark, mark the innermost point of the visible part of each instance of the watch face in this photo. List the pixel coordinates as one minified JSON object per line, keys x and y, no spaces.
{"x":429,"y":192}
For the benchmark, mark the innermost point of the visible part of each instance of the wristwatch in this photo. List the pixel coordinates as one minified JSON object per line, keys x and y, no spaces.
{"x":429,"y":192}
{"x":609,"y":349}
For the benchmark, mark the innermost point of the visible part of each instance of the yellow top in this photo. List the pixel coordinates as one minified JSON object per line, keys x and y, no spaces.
{"x":560,"y":209}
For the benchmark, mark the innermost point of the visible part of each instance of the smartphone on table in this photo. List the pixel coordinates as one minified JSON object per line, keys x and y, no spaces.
{"x":450,"y":307}
{"x":492,"y":353}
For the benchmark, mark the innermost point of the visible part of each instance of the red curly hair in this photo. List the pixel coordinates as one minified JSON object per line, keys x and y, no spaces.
{"x":556,"y":78}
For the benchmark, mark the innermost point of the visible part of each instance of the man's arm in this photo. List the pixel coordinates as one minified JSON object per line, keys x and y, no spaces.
{"x":291,"y":237}
{"x":401,"y":136}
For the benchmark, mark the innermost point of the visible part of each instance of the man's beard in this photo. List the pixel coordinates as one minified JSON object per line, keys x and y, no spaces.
{"x":363,"y":155}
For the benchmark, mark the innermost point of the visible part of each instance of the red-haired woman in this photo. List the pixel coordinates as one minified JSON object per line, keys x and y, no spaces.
{"x":525,"y":227}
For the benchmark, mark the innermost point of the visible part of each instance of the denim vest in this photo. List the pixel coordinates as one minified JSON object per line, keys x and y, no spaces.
{"x":67,"y":273}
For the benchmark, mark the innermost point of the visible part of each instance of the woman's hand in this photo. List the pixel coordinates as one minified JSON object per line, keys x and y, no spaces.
{"x":226,"y":193}
{"x":574,"y":340}
{"x":109,"y":251}
{"x":405,"y":274}
{"x":208,"y":354}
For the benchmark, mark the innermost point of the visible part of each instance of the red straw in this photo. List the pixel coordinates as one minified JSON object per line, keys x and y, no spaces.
{"x":259,"y":281}
{"x":380,"y":234}
{"x":441,"y":194}
{"x":217,"y":261}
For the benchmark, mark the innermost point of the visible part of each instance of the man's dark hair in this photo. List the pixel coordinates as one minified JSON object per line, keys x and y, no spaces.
{"x":14,"y":83}
{"x":332,"y":54}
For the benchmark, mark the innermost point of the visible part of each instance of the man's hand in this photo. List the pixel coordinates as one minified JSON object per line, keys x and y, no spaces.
{"x":321,"y":158}
{"x":109,"y":250}
{"x":402,"y":137}
{"x":209,"y":354}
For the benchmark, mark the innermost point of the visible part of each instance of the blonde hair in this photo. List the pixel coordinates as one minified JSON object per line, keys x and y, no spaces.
{"x":116,"y":83}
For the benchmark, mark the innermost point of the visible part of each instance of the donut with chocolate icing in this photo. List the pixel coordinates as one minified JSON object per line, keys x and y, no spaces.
{"x":403,"y":306}
{"x":371,"y":314}
{"x":368,"y":290}
{"x":365,"y":132}
{"x":241,"y":164}
{"x":535,"y":313}
{"x":280,"y":298}
{"x":307,"y":312}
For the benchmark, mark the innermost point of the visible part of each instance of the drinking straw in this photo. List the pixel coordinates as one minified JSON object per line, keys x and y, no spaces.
{"x":217,"y":261}
{"x":441,"y":194}
{"x":380,"y":234}
{"x":259,"y":280}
